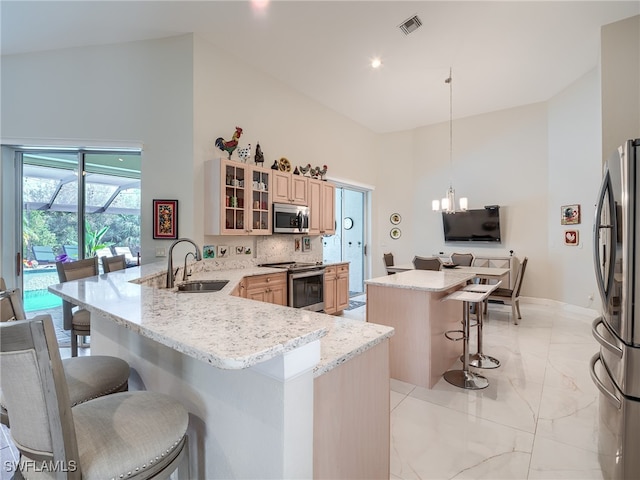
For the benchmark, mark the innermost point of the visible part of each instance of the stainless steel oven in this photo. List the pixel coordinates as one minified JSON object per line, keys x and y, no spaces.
{"x":305,"y":285}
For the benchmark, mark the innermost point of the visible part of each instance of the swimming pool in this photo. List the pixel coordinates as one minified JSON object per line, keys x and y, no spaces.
{"x":35,"y":283}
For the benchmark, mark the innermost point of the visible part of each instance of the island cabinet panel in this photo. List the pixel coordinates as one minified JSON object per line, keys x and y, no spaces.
{"x":322,"y":207}
{"x":336,"y":288}
{"x":419,"y":352}
{"x":237,"y":198}
{"x":271,"y":288}
{"x":289,"y":188}
{"x":351,"y":429}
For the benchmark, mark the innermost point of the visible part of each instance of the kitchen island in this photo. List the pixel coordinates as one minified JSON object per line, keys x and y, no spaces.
{"x":412,"y":303}
{"x":254,"y":376}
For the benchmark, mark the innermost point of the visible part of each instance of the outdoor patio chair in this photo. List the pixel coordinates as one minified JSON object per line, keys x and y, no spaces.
{"x":126,"y":251}
{"x":104,"y":252}
{"x":43,"y":254}
{"x":71,"y":251}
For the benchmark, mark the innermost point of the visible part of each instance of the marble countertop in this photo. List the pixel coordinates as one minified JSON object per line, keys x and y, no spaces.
{"x":223,"y":330}
{"x":427,"y":280}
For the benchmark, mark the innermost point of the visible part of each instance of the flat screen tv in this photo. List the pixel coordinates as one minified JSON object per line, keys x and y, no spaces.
{"x":481,"y":225}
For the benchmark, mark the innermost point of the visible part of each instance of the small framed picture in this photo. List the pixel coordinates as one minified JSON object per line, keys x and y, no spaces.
{"x":306,"y":244}
{"x":165,"y":219}
{"x":395,"y":218}
{"x":209,"y":251}
{"x":223,"y":251}
{"x":395,"y":233}
{"x":570,"y":215}
{"x":571,"y":237}
{"x":239,"y":249}
{"x":297,"y":244}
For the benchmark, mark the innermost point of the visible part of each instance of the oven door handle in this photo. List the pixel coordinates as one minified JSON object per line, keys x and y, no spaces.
{"x":307,"y":273}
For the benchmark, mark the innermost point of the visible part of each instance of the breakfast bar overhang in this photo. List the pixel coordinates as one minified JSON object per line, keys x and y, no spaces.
{"x":268,"y":388}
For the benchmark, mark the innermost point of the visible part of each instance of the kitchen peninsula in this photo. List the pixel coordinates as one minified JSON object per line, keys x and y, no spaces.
{"x":412,"y":303}
{"x":272,"y":391}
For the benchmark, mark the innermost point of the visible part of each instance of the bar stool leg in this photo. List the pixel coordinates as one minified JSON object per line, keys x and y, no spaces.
{"x":465,"y":378}
{"x":480,"y":360}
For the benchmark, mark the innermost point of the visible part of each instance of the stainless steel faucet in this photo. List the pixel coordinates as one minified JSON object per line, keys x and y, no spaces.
{"x":170,"y":273}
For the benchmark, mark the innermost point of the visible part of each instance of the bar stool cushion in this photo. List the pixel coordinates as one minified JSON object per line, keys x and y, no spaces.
{"x":109,"y":442}
{"x":81,"y":318}
{"x":94,"y":376}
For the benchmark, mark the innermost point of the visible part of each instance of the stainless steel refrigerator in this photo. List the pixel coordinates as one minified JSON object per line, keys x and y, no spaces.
{"x":615,"y":369}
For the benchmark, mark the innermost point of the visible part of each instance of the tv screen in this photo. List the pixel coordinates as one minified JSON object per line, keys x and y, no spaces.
{"x":481,"y":225}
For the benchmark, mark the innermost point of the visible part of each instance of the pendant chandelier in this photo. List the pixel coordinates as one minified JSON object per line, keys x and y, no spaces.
{"x":448,"y":203}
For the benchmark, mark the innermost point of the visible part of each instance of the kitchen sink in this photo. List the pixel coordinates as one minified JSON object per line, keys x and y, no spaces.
{"x":200,"y":286}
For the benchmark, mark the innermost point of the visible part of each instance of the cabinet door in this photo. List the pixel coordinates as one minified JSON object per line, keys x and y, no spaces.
{"x":330,"y":281}
{"x":342,"y":288}
{"x":259,"y":294}
{"x":281,"y":186}
{"x":315,"y":206}
{"x":299,"y":189}
{"x":235,"y":178}
{"x":278,"y":294}
{"x":259,"y":208}
{"x":327,"y":212}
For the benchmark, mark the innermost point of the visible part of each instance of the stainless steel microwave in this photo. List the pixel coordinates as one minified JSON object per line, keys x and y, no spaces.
{"x":290,"y":218}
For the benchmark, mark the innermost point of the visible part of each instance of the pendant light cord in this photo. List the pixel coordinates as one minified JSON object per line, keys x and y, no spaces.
{"x":450,"y":82}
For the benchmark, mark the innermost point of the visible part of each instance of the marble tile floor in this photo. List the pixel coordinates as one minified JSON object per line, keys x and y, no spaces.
{"x":536,"y":420}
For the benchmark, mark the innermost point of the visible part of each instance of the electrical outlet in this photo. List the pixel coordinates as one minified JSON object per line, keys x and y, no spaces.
{"x":590,"y":297}
{"x":161,"y":252}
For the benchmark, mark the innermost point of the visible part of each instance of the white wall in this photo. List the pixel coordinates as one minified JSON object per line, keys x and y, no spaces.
{"x":574,"y":177}
{"x":620,"y":69}
{"x":134,"y":92}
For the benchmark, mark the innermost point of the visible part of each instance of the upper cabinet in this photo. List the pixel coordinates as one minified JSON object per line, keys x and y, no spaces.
{"x":322,"y":201}
{"x":238,"y":198}
{"x":289,"y":188}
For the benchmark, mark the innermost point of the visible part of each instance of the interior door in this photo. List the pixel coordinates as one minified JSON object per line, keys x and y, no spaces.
{"x":348,"y":243}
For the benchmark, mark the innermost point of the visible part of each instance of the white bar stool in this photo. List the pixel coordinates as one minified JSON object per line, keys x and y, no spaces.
{"x":479,"y":359}
{"x":465,"y":378}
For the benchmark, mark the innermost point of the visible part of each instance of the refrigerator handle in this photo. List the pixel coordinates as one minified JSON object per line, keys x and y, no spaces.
{"x":617,"y":351}
{"x":601,"y":386}
{"x":597,"y":227}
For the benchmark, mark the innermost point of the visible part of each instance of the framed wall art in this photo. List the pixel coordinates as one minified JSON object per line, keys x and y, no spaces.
{"x":306,"y":244}
{"x":165,"y":219}
{"x":570,"y":215}
{"x":571,"y":237}
{"x":395,"y":218}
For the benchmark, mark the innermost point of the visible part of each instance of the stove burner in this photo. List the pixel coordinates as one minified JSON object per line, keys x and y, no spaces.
{"x":293,"y":266}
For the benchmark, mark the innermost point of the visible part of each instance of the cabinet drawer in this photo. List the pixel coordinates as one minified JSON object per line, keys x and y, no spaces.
{"x":330,"y":272}
{"x":258,"y":281}
{"x":343,"y":269}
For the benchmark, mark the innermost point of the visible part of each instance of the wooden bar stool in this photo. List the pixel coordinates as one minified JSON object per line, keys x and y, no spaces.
{"x":479,"y":359}
{"x":465,"y":378}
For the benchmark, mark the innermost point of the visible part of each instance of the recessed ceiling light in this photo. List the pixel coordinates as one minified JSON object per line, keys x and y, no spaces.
{"x":376,"y":63}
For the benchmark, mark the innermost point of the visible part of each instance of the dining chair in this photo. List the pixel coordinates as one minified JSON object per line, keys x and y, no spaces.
{"x":388,"y":262}
{"x":87,"y":377}
{"x":133,"y":435}
{"x":462,"y":259}
{"x":111,"y":264}
{"x":512,"y":296}
{"x":76,"y":319}
{"x":427,"y":263}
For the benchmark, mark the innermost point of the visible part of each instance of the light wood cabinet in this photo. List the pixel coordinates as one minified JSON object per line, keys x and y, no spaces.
{"x":336,"y":288}
{"x":270,"y":288}
{"x":322,"y":212}
{"x":238,"y":198}
{"x":289,"y":188}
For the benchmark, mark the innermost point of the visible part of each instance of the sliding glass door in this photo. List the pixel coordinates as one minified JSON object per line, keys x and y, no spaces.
{"x":75,"y":204}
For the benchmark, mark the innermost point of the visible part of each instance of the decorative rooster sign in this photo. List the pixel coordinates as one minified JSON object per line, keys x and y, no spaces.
{"x":231,"y":145}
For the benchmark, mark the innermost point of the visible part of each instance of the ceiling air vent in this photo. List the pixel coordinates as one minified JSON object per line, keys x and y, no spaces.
{"x":410,"y":24}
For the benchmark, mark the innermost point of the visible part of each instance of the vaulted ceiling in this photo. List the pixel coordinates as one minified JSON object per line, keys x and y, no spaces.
{"x":503,"y":54}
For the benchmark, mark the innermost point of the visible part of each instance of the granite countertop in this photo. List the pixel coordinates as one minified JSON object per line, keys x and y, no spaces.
{"x":427,"y":280}
{"x":223,"y":330}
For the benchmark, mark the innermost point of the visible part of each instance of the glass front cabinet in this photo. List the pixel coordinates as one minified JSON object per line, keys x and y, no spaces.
{"x":238,"y":198}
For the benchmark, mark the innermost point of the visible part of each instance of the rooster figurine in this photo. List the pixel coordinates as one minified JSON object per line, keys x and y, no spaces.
{"x":306,"y":169}
{"x":321,"y":172}
{"x":244,"y":153}
{"x":231,"y":145}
